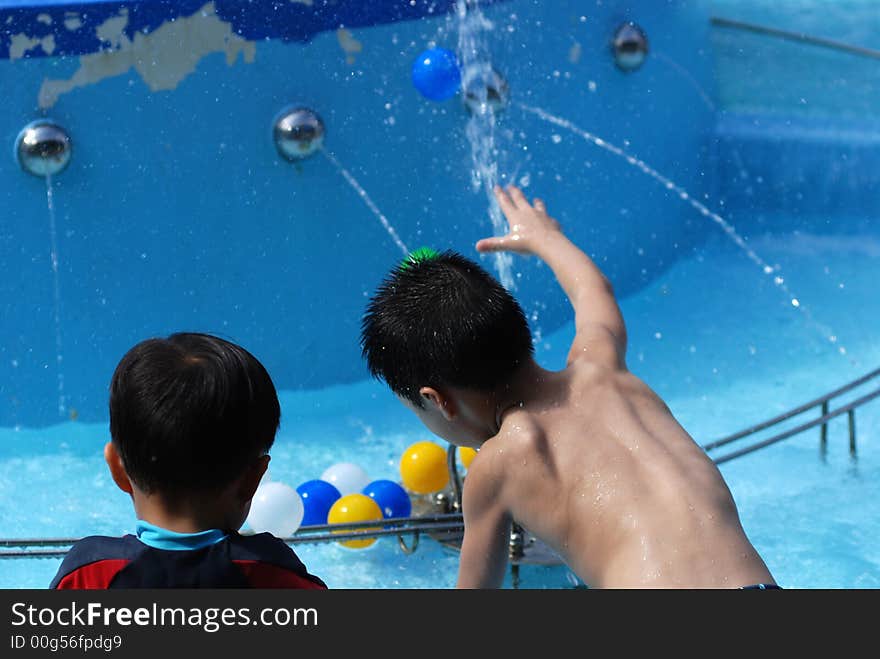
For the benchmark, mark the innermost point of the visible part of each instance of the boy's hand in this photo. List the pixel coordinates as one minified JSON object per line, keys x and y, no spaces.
{"x":529,"y":224}
{"x":600,"y":333}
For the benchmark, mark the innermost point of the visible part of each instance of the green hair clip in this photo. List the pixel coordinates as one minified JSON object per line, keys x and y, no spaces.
{"x":418,"y":256}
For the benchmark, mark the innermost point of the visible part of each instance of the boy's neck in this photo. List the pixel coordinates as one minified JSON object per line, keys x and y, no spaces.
{"x":180,"y":518}
{"x":523,"y":387}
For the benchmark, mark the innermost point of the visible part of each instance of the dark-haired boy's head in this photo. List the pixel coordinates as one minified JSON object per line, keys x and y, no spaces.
{"x":440,"y":321}
{"x":189,"y":413}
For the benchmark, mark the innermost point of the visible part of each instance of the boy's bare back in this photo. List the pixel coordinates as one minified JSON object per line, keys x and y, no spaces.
{"x":591,"y":461}
{"x":600,"y":471}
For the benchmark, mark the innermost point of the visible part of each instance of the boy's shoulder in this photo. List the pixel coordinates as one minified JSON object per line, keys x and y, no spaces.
{"x":520,"y":428}
{"x":269,"y":562}
{"x":263,"y":560}
{"x":93,"y":561}
{"x":263,"y":547}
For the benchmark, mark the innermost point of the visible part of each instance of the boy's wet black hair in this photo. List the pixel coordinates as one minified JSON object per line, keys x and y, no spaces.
{"x":443,"y":320}
{"x":190,"y":412}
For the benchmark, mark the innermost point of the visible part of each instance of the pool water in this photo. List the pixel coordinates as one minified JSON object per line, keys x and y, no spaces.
{"x":714,"y":336}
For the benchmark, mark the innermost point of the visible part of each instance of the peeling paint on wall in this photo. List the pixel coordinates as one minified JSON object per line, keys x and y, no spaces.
{"x":349,"y":44}
{"x":20,"y":44}
{"x":162,"y":58}
{"x":113,"y":29}
{"x":72,"y":21}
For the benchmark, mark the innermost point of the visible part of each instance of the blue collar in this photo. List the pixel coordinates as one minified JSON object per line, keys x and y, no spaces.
{"x":159,"y":538}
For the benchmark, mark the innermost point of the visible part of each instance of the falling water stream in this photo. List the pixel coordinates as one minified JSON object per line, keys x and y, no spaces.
{"x":476,"y":71}
{"x":367,"y":200}
{"x":673,"y":187}
{"x":56,"y":290}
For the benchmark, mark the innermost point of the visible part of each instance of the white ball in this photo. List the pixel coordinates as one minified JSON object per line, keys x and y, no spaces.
{"x":276,"y":508}
{"x":348,"y":477}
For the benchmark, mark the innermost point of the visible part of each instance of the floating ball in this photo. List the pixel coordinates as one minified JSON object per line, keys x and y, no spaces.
{"x":354,"y":508}
{"x":276,"y":508}
{"x":391,"y":497}
{"x":318,"y":497}
{"x":348,"y":477}
{"x":423,"y":468}
{"x":466,"y":455}
{"x":436,"y":75}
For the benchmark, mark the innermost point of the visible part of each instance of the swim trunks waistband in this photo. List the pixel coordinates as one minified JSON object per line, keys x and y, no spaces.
{"x":762,"y":586}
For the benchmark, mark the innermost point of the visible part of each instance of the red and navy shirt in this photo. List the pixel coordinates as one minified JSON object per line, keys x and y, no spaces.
{"x":233,"y":561}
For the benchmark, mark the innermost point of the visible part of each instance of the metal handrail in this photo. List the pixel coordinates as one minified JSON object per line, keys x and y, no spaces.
{"x":825,"y":415}
{"x":801,"y":428}
{"x":793,"y":412}
{"x":454,"y":476}
{"x":796,"y":36}
{"x":399,"y":526}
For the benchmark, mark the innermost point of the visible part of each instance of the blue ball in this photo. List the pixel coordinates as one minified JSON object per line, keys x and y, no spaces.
{"x":318,"y":497}
{"x":391,"y":497}
{"x":436,"y":75}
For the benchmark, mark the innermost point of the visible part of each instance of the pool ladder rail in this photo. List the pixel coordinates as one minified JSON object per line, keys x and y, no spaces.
{"x":440,"y":526}
{"x":820,"y":406}
{"x":794,"y":36}
{"x":439,"y":516}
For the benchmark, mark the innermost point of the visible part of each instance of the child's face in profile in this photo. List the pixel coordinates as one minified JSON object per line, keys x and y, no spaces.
{"x":452,"y":428}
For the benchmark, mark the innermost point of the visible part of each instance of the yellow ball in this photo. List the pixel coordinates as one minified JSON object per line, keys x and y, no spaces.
{"x":466,"y":455}
{"x":354,"y":508}
{"x":423,"y":468}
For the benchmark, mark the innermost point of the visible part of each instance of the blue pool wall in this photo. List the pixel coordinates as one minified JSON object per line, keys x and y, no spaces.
{"x":798,"y":125}
{"x":177,"y":213}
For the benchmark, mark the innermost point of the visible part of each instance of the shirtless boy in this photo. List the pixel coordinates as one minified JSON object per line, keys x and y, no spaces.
{"x":588,"y":459}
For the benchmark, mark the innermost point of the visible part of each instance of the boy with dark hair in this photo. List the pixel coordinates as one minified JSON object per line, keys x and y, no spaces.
{"x":192,"y":418}
{"x":588,"y":459}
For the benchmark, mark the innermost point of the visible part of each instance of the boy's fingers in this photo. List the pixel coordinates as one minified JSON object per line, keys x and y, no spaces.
{"x":491,"y":244}
{"x":517,"y":196}
{"x":503,"y":200}
{"x":499,"y":191}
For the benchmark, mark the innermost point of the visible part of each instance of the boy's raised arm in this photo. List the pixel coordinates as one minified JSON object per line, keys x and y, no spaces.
{"x":600,"y":332}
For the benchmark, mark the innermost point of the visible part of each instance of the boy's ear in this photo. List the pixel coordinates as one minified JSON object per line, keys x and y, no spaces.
{"x":439,"y":401}
{"x":117,"y":470}
{"x":251,"y":478}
